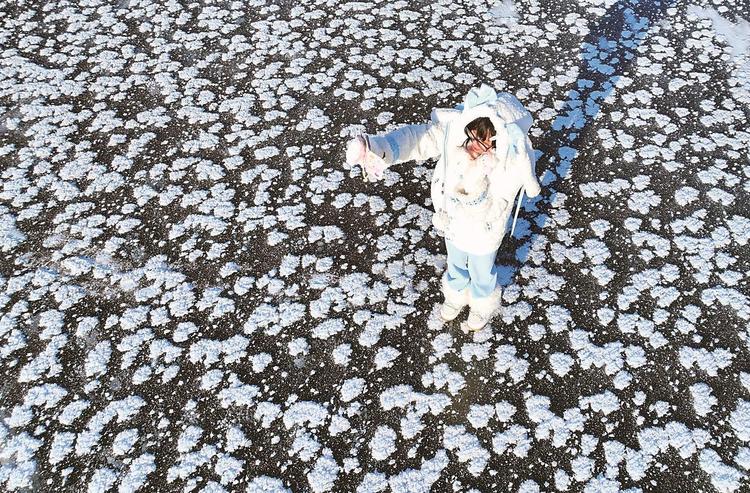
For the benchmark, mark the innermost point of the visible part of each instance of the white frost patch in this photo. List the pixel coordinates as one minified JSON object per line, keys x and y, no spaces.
{"x":189,"y":439}
{"x":139,"y":469}
{"x":124,"y":441}
{"x":373,"y":482}
{"x":686,"y":195}
{"x":62,"y":446}
{"x":516,"y":437}
{"x":72,"y":411}
{"x":709,"y":361}
{"x":507,"y":361}
{"x":324,"y":474}
{"x":97,"y":359}
{"x":742,"y":458}
{"x":441,"y":375}
{"x":745,"y":380}
{"x":385,"y":356}
{"x":605,"y":403}
{"x":560,"y":363}
{"x":260,"y":361}
{"x":442,"y":344}
{"x":740,"y":420}
{"x":228,"y":468}
{"x":422,"y":479}
{"x":726,"y":479}
{"x":504,"y":411}
{"x":383,"y":443}
{"x":330,"y":327}
{"x":505,"y":12}
{"x":315,"y":119}
{"x":537,"y":409}
{"x":562,"y":480}
{"x":299,"y":346}
{"x":341,"y":354}
{"x":479,"y":415}
{"x":305,"y":412}
{"x":10,"y":236}
{"x":266,"y":412}
{"x":471,"y":350}
{"x":339,"y":424}
{"x":237,"y":393}
{"x":266,"y":484}
{"x":703,"y":400}
{"x":305,"y":446}
{"x":102,"y":480}
{"x":411,"y":424}
{"x":235,"y":439}
{"x":352,"y":388}
{"x":467,"y":448}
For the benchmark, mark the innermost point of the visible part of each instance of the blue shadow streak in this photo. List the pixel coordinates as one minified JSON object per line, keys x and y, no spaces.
{"x":604,"y":61}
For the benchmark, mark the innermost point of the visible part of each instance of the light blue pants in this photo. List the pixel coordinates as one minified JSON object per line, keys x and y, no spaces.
{"x":476,"y":271}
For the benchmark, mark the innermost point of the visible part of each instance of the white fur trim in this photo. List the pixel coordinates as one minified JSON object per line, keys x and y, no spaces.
{"x":488,"y":304}
{"x":455,"y":298}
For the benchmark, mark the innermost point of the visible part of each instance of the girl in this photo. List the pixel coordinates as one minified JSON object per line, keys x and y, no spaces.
{"x":485,"y":159}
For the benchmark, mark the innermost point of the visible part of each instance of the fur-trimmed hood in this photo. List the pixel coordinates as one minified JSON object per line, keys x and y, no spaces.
{"x":509,"y":117}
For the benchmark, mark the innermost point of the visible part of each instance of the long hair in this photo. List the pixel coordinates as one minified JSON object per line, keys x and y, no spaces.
{"x":483,"y":128}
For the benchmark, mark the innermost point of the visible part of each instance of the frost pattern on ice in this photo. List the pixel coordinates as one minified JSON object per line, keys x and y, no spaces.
{"x":196,"y":289}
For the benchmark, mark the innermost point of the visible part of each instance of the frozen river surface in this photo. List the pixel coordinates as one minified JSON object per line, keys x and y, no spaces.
{"x":197,"y":294}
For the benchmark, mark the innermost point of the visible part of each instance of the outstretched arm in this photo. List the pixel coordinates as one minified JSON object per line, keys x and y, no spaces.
{"x":411,"y":142}
{"x":408,"y":143}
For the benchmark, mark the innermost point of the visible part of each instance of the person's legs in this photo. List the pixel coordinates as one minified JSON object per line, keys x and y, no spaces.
{"x":482,"y":274}
{"x":457,"y":275}
{"x":484,"y":298}
{"x":454,"y":283}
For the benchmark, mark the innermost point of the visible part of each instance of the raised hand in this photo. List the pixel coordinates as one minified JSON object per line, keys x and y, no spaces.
{"x":358,"y":151}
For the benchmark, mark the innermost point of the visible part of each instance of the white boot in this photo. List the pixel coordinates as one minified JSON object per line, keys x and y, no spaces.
{"x":454,"y":302}
{"x":481,"y":310}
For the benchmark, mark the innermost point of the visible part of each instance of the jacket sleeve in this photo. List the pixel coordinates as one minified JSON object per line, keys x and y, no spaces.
{"x":408,"y":143}
{"x":530,"y":181}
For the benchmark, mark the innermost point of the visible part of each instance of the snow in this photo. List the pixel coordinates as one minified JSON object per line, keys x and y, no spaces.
{"x":341,"y":354}
{"x":352,"y":388}
{"x":480,"y":415}
{"x":560,"y":363}
{"x":62,"y":446}
{"x":724,"y":478}
{"x":442,"y":344}
{"x":385,"y":356}
{"x":709,"y":361}
{"x":189,"y":439}
{"x":196,"y":285}
{"x":266,"y":484}
{"x":101,"y":480}
{"x":304,"y":413}
{"x":515,"y":439}
{"x":442,"y":376}
{"x":383,"y":443}
{"x":507,"y":361}
{"x":739,"y":419}
{"x":420,"y":480}
{"x":124,"y":441}
{"x":703,"y":400}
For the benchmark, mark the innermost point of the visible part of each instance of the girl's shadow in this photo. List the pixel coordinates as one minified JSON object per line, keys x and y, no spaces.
{"x":609,"y":50}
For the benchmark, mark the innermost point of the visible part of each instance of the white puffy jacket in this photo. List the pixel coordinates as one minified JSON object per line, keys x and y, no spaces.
{"x":475,"y":223}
